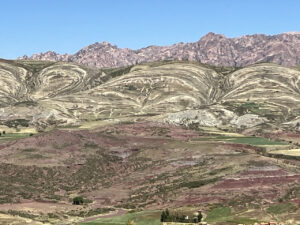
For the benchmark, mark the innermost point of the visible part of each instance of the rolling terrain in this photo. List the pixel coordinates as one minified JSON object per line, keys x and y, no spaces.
{"x":134,"y":140}
{"x":66,"y":94}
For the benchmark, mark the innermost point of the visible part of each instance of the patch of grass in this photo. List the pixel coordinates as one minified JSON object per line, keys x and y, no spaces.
{"x":250,"y":140}
{"x":250,"y":107}
{"x":242,"y":220}
{"x":256,"y":141}
{"x":29,"y":150}
{"x":35,"y":156}
{"x":91,"y":145}
{"x":91,"y":212}
{"x":139,"y":218}
{"x":198,"y":183}
{"x":13,"y":136}
{"x":115,"y":72}
{"x":218,"y":214}
{"x":281,"y":208}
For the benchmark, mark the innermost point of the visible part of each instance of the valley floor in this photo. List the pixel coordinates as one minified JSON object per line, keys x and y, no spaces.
{"x":133,"y":170}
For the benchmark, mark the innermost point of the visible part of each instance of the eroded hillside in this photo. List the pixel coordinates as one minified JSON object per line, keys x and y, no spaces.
{"x":64,"y":94}
{"x":117,"y":141}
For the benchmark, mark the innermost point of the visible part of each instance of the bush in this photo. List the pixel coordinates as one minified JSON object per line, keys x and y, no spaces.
{"x":78,"y":200}
{"x":15,"y":123}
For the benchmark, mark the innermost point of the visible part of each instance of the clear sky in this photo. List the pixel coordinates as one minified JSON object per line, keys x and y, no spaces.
{"x":65,"y":26}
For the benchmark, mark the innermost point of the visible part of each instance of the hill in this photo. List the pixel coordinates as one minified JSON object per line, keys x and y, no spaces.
{"x":213,"y":49}
{"x":64,"y":94}
{"x":176,"y":134}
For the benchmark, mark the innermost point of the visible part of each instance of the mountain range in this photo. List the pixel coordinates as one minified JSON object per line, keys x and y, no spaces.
{"x":213,"y":49}
{"x":140,"y":136}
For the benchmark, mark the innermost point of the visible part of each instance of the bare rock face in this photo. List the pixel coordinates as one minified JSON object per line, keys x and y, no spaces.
{"x":48,"y":56}
{"x":214,"y":49}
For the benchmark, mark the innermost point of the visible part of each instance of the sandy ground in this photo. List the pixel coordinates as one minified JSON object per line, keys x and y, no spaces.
{"x":37,"y":207}
{"x":15,"y":220}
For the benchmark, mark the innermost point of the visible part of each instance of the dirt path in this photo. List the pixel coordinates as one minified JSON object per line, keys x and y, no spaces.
{"x":118,"y":212}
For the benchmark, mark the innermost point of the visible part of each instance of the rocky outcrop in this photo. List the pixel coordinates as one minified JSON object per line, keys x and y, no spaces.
{"x":214,"y":49}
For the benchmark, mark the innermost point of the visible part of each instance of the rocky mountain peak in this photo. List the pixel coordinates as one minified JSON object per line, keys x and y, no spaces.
{"x":212,"y":36}
{"x":212,"y":48}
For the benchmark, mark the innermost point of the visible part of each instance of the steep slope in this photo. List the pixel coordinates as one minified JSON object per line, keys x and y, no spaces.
{"x":46,"y":93}
{"x":151,"y":90}
{"x":12,"y":83}
{"x":214,"y":49}
{"x":275,"y":87}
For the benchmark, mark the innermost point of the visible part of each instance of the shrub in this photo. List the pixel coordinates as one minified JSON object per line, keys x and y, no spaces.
{"x":78,"y":200}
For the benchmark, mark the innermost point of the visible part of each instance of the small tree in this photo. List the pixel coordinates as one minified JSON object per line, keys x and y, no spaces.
{"x":167,"y":213}
{"x":3,"y":132}
{"x":163,"y":216}
{"x":78,"y":200}
{"x":199,"y":217}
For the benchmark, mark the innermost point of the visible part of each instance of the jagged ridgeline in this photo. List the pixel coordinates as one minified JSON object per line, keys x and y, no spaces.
{"x":69,"y":93}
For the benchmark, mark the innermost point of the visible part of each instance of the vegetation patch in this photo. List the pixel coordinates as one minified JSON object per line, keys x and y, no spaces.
{"x":92,"y":212}
{"x":251,"y":140}
{"x":218,"y":214}
{"x":198,"y":183}
{"x":21,"y":214}
{"x":35,"y":156}
{"x":250,"y":107}
{"x":282,"y":208}
{"x":29,"y":150}
{"x":91,"y":145}
{"x":139,"y":218}
{"x":15,"y":123}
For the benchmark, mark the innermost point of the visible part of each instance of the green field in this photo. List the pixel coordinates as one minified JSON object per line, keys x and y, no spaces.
{"x":225,"y":214}
{"x":281,"y":208}
{"x":218,"y":214}
{"x":139,"y":218}
{"x":13,"y":136}
{"x":256,"y":141}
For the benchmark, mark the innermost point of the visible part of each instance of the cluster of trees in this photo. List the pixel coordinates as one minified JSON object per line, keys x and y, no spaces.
{"x":167,"y":217}
{"x":3,"y":132}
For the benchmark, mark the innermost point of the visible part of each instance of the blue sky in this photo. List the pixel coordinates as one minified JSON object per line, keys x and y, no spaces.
{"x":65,"y":26}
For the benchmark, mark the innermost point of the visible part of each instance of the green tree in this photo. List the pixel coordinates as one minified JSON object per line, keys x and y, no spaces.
{"x":78,"y":200}
{"x":167,"y":213}
{"x":200,"y":217}
{"x":163,"y":216}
